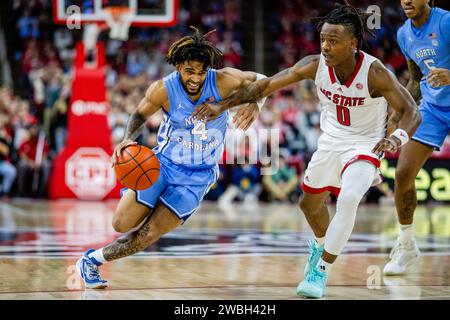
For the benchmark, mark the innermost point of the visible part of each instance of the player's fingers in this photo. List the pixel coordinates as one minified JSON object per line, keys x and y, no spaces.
{"x":434,"y":79}
{"x":131,"y":143}
{"x":378,"y":147}
{"x":248,"y":122}
{"x":238,"y":122}
{"x":114,"y":158}
{"x":374,"y":149}
{"x":196,"y":111}
{"x":198,"y":114}
{"x":431,"y":78}
{"x":204,"y":114}
{"x":393,"y":147}
{"x":242,"y":119}
{"x":242,"y":123}
{"x":239,"y":114}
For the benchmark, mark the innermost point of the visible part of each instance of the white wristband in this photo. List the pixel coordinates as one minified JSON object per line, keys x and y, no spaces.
{"x":402,"y":135}
{"x":261,"y":102}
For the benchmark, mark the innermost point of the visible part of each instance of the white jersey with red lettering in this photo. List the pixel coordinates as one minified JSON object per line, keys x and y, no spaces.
{"x":350,"y":116}
{"x":352,"y":122}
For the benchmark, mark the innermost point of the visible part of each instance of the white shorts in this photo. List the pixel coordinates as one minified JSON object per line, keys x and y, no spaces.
{"x":324,"y":171}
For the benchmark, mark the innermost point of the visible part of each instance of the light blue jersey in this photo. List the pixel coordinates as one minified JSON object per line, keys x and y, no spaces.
{"x":188,"y":150}
{"x":429,"y":46}
{"x":187,"y":142}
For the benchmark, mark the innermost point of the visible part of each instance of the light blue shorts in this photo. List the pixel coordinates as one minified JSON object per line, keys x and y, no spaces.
{"x":179,"y":188}
{"x":435,"y":125}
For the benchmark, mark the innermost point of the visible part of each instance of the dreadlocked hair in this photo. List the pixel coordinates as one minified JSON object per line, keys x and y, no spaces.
{"x":195,"y":47}
{"x":350,"y":17}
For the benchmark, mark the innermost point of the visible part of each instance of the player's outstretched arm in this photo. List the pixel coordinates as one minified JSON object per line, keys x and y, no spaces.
{"x":229,"y":80}
{"x":155,"y":97}
{"x":383,"y":82}
{"x":306,"y":68}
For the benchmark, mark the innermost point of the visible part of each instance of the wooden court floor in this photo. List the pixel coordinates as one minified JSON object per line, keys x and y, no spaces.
{"x":238,"y":252}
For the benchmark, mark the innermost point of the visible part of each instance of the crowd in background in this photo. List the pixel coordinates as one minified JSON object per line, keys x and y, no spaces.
{"x":34,"y":121}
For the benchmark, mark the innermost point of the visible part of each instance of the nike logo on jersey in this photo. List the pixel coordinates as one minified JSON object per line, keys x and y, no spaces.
{"x":180,"y":106}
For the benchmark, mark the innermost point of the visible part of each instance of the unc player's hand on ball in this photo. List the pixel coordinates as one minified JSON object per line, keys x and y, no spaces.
{"x":207,"y":111}
{"x":245,"y":116}
{"x":118,"y":149}
{"x":391,"y":144}
{"x":439,"y":77}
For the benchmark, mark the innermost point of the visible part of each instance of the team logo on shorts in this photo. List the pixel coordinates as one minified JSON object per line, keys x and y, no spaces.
{"x":359,"y":86}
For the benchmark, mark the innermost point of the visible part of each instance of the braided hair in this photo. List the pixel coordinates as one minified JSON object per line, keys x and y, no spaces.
{"x":195,"y":47}
{"x":353,"y":19}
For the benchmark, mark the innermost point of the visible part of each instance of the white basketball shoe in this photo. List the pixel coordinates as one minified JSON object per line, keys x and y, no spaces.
{"x":403,"y":255}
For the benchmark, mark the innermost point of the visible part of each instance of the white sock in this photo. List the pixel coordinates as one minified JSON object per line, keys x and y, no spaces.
{"x":320,"y":241}
{"x":98,"y":255}
{"x":406,"y":233}
{"x":324,"y":266}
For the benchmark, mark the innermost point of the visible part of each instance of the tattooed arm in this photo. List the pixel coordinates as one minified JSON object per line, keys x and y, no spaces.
{"x":306,"y":68}
{"x":155,"y":98}
{"x":413,"y":86}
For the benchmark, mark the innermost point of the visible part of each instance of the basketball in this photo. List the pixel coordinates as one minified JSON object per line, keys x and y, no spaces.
{"x":137,"y":167}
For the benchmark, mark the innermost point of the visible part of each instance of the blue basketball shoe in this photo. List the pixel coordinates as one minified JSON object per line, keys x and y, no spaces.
{"x":314,"y":285}
{"x":87,"y":269}
{"x":315,"y":252}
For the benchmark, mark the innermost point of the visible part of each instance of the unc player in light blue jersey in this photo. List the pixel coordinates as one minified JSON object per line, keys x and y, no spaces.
{"x":188,"y":150}
{"x":424,"y":39}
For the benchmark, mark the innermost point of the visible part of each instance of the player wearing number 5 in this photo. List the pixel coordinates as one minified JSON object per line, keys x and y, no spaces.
{"x":425,"y":42}
{"x":354,"y":90}
{"x":188,"y":150}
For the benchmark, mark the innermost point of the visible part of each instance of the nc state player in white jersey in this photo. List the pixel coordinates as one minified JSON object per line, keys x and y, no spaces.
{"x":354,"y":90}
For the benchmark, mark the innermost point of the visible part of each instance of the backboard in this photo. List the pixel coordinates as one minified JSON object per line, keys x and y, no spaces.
{"x":161,"y":13}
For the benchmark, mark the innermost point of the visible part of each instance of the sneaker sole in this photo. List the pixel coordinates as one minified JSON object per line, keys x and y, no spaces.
{"x":409,"y":264}
{"x":86,"y":285}
{"x":304,"y":294}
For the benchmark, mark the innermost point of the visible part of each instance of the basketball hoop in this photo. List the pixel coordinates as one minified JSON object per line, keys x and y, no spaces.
{"x":119,"y":19}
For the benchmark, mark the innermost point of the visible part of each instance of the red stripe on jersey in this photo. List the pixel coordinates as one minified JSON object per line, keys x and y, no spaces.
{"x":308,"y":189}
{"x":355,"y":72}
{"x":332,"y":76}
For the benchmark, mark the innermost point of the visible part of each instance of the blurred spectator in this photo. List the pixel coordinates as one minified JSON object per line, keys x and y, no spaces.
{"x":33,"y":165}
{"x":28,"y":26}
{"x":283,"y":184}
{"x":245,"y":185}
{"x":7,"y":171}
{"x":232,"y":51}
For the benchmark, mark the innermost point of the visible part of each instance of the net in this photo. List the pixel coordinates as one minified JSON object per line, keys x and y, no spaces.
{"x":119,"y":19}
